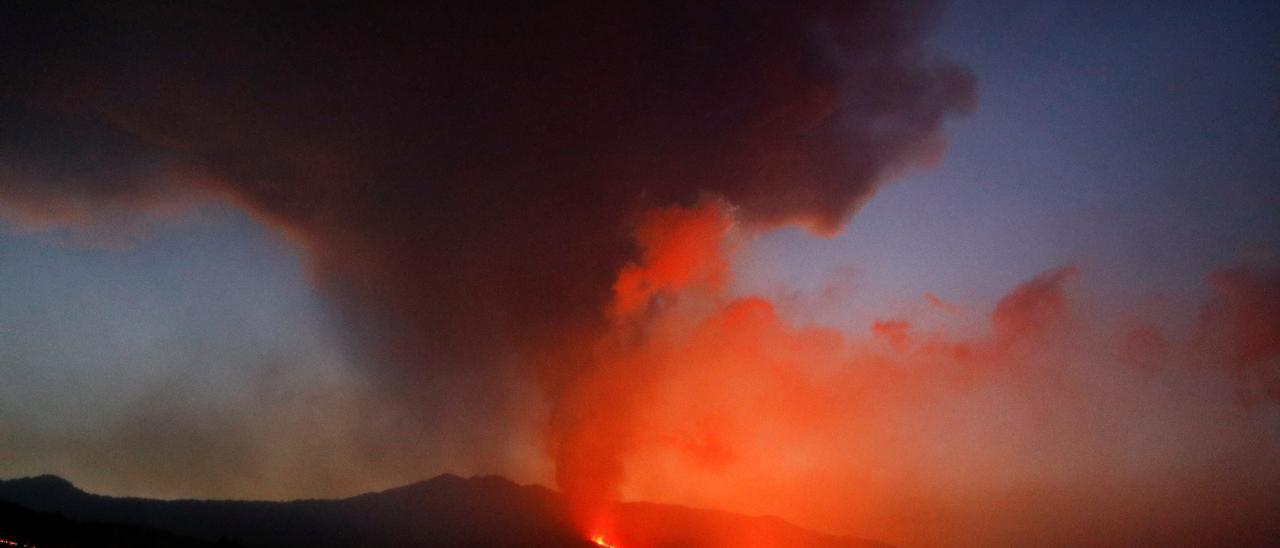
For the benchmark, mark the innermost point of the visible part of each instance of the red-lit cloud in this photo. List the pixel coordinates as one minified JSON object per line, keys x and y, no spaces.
{"x":937,"y":302}
{"x":1242,"y":325}
{"x":714,"y":399}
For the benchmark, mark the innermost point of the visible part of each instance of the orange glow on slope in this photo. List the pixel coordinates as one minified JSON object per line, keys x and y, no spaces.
{"x":599,"y":540}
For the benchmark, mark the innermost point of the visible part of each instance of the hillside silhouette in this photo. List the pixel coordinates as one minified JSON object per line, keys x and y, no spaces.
{"x":24,"y":528}
{"x":445,"y":511}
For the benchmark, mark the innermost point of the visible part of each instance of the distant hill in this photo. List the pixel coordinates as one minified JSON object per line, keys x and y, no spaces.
{"x":444,"y":511}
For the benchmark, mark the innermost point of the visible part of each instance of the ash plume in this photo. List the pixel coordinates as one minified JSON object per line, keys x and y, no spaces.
{"x":466,"y":180}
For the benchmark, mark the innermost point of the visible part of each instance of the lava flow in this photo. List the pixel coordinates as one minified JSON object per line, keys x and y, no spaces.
{"x":599,"y":540}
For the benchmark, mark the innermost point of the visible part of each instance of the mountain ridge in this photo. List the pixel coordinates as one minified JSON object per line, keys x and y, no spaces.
{"x":450,"y":511}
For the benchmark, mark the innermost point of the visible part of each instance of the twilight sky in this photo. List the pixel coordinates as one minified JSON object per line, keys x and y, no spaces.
{"x":222,"y":336}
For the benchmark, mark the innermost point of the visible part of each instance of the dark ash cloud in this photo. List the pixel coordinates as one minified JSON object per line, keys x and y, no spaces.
{"x":466,"y":178}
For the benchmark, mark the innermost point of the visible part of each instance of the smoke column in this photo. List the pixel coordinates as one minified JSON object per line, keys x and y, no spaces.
{"x":466,"y":180}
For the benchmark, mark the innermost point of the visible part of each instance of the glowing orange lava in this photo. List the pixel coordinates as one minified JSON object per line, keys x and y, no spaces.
{"x":599,"y":540}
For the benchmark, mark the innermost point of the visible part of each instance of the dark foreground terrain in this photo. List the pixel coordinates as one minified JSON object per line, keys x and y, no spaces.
{"x":48,"y":511}
{"x":24,"y":528}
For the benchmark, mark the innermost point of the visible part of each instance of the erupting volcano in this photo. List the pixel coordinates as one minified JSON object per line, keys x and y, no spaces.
{"x":730,"y":273}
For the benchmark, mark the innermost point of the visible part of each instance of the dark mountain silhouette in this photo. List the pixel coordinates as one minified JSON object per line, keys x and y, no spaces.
{"x":23,"y":528}
{"x":444,"y":511}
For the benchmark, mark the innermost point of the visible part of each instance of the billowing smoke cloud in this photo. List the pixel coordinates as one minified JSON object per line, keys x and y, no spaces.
{"x":469,"y":175}
{"x":1242,"y":324}
{"x":466,"y":179}
{"x":1054,"y":423}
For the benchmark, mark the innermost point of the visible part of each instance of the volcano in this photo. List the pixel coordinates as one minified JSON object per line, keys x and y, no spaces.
{"x":445,"y":511}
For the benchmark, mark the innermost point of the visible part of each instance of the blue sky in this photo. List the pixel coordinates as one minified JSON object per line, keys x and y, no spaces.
{"x":1138,"y":142}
